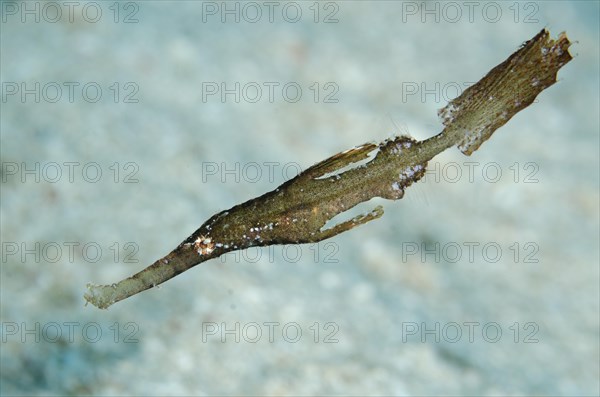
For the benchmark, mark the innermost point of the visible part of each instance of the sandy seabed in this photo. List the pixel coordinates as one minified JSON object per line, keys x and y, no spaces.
{"x":124,"y":126}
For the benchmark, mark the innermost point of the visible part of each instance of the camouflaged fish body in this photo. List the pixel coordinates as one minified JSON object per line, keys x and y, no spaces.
{"x":298,"y":210}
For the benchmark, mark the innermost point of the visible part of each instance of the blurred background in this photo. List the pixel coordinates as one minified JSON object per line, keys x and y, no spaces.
{"x":125,"y":125}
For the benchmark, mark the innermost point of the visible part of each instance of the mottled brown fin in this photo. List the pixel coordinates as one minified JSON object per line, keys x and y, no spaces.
{"x":508,"y":88}
{"x":340,"y":160}
{"x":377,"y":212}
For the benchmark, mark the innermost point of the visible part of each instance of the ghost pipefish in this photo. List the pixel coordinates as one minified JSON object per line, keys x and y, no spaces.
{"x":297,"y":211}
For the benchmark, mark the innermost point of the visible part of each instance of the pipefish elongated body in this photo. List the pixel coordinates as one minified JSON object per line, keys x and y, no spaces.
{"x":297,"y":211}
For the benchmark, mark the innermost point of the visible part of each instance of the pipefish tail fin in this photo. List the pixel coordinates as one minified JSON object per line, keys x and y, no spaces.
{"x":508,"y":88}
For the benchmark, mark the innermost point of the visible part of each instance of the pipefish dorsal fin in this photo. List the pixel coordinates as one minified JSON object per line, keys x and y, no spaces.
{"x":338,"y":161}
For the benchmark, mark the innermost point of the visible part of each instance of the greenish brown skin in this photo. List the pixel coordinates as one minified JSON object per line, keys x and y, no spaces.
{"x":297,"y":211}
